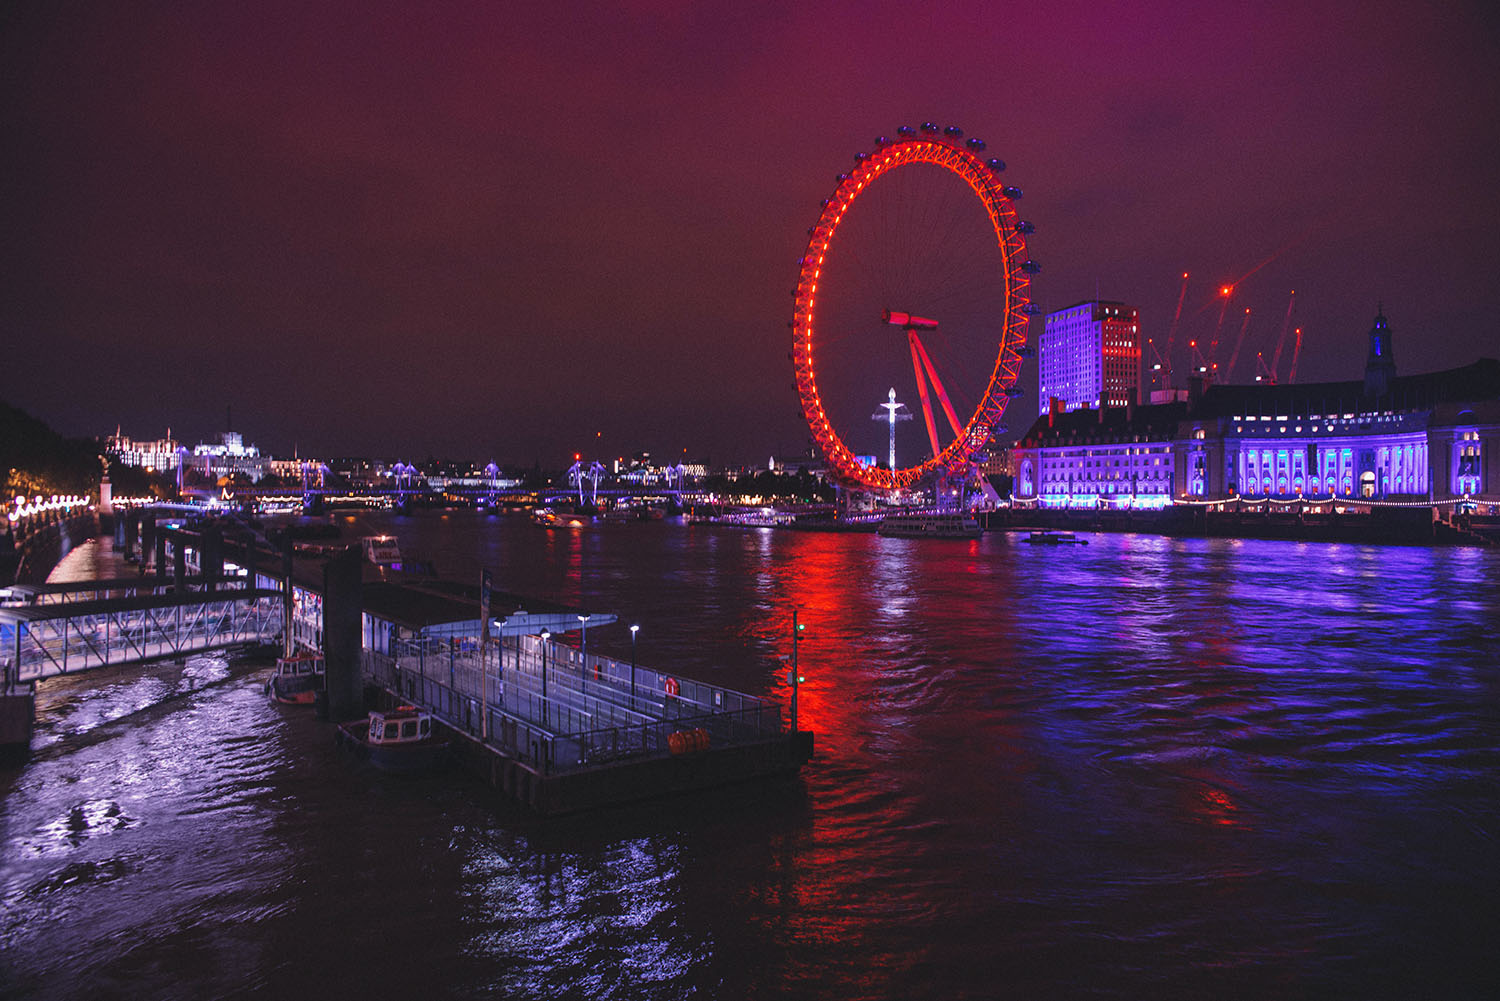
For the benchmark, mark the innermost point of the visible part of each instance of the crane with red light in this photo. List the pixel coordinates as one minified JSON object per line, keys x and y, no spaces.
{"x":1281,"y":340}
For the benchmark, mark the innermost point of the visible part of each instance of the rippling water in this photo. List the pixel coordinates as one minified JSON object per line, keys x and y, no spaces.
{"x":1140,"y":768}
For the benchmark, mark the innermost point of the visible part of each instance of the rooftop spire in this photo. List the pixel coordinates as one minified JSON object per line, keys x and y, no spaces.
{"x":1380,"y":363}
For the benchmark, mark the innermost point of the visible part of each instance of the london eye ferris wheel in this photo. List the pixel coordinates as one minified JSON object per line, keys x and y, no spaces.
{"x":916,"y":276}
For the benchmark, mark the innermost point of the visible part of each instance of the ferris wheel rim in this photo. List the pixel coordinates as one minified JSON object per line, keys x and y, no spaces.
{"x":946,"y":150}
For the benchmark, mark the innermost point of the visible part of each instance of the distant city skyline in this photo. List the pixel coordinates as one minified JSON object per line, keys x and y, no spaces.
{"x":521,"y":233}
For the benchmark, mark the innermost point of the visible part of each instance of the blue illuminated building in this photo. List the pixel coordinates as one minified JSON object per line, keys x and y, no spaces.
{"x":1090,"y":356}
{"x":1419,"y":439}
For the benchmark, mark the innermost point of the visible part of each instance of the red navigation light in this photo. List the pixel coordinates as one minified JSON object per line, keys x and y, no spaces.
{"x":1226,"y":290}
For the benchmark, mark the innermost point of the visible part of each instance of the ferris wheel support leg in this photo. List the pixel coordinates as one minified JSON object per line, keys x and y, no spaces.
{"x":916,"y":365}
{"x":937,"y":385}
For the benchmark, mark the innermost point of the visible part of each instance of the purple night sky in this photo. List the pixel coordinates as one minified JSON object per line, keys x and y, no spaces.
{"x":494,"y":230}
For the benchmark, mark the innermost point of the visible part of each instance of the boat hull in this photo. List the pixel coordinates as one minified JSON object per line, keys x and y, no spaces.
{"x":930,"y":527}
{"x":293,"y":691}
{"x":399,"y":759}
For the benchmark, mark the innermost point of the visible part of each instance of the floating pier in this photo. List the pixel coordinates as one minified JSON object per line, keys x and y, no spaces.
{"x":556,"y":727}
{"x":560,"y":731}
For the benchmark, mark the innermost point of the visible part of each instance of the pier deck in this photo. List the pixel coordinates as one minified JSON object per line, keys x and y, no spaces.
{"x":536,"y":718}
{"x":592,"y":737}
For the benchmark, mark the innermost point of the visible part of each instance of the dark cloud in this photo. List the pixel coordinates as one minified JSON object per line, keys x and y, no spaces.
{"x":500,"y":230}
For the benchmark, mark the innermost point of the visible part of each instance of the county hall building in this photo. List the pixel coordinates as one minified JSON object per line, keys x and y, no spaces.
{"x":1418,"y":439}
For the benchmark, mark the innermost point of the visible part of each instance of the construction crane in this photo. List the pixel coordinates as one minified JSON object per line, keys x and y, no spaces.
{"x":1292,"y":375}
{"x":1262,"y":373}
{"x":1213,"y":348}
{"x":1172,"y":331}
{"x":1281,"y":341}
{"x":1158,"y":365}
{"x":1238,"y":343}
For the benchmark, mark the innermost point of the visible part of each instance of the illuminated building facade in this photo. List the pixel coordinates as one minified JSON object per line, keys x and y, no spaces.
{"x":230,"y":455}
{"x":1432,"y":438}
{"x":158,"y":455}
{"x":1090,"y":356}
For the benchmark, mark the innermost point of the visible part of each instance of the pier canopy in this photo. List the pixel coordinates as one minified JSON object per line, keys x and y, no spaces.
{"x":446,"y":609}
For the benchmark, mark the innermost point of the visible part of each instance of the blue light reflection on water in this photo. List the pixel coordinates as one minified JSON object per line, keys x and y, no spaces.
{"x":1145,"y":767}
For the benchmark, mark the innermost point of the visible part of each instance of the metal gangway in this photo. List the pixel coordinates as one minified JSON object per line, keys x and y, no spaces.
{"x":44,"y":639}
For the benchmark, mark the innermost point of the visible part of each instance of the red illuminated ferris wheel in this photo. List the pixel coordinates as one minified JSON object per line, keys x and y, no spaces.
{"x":916,"y":272}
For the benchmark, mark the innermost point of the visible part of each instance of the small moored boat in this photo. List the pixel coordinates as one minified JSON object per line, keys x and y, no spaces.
{"x":403,"y":739}
{"x":1055,"y":539}
{"x":297,"y":679}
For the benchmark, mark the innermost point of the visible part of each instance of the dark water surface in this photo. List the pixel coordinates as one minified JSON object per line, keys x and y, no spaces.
{"x":1144,"y":768}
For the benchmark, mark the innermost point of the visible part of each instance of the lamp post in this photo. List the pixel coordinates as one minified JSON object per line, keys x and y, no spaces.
{"x":546,"y":635}
{"x":795,"y":679}
{"x":583,"y":670}
{"x":633,"y":630}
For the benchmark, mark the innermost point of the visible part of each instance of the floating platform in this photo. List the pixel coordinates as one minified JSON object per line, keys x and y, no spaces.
{"x":561,"y":732}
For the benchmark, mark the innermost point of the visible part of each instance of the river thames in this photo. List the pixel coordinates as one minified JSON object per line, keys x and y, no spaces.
{"x":1142,"y":768}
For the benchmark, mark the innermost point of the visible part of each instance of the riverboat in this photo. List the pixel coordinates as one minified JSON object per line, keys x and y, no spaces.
{"x":1055,"y":539}
{"x":402,"y":740}
{"x":296,"y":680}
{"x":549,"y":518}
{"x":931,"y":525}
{"x":381,"y":550}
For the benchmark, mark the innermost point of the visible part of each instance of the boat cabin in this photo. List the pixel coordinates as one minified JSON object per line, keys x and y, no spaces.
{"x":381,"y":550}
{"x":399,"y":726}
{"x":300,"y":665}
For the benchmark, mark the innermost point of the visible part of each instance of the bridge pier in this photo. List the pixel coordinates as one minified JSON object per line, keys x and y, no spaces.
{"x":160,"y":559}
{"x":132,"y":533}
{"x":343,"y":606}
{"x":211,"y":557}
{"x":17,"y":717}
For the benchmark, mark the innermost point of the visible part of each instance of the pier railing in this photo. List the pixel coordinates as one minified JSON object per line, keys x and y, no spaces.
{"x":585,"y":712}
{"x":42,"y":641}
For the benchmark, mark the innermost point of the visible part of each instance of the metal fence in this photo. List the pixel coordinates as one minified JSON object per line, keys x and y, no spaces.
{"x":556,"y":711}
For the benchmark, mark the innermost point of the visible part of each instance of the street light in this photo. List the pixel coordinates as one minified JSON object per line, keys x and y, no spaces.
{"x":633,"y":631}
{"x":583,"y":670}
{"x":546,"y":635}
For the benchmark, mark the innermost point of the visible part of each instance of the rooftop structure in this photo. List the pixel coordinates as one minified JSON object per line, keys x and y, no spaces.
{"x":1429,"y":438}
{"x":1090,"y":356}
